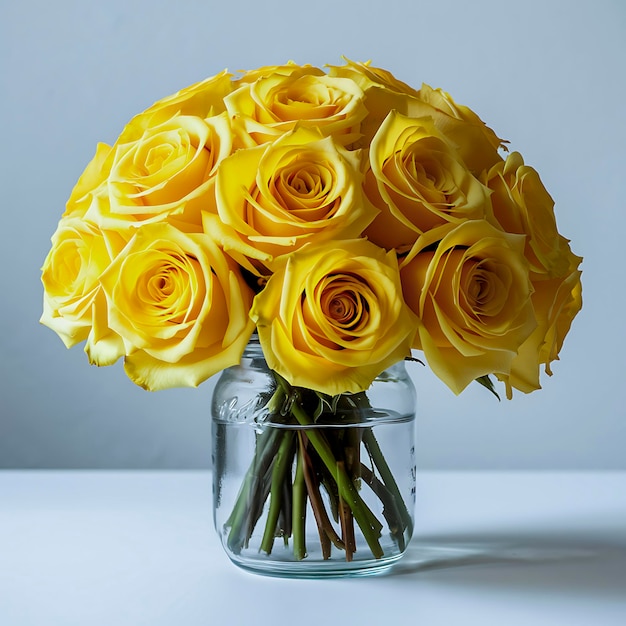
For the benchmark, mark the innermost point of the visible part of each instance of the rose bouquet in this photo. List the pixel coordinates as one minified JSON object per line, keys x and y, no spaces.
{"x":344,"y":217}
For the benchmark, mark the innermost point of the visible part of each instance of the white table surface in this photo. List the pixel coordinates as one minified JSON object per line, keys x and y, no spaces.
{"x":138,"y":548}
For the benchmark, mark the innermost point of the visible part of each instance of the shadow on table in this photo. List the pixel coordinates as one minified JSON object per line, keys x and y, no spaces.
{"x":527,"y":562}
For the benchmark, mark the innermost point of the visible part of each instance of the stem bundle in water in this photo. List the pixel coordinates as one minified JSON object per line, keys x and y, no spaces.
{"x":299,"y":462}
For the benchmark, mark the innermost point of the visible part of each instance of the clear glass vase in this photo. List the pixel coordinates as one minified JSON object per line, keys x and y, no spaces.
{"x":307,"y":486}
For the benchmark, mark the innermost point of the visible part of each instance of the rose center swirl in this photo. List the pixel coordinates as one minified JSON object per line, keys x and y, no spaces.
{"x":484,"y":290}
{"x":343,"y":304}
{"x":166,"y":289}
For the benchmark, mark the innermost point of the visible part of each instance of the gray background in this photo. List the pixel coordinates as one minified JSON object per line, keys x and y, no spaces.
{"x":547,"y":75}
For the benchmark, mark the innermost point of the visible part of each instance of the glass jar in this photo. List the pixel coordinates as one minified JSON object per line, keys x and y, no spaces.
{"x":306,"y":485}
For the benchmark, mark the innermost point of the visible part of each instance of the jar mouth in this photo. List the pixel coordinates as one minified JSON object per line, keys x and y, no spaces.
{"x":365,"y":421}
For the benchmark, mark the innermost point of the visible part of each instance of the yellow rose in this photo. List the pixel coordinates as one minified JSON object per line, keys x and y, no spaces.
{"x":368,"y":77}
{"x":180,"y":306}
{"x":291,"y":68}
{"x":420,"y":181}
{"x":93,"y":176}
{"x":167,"y":173}
{"x":562,"y":305}
{"x":274,"y":104}
{"x":556,"y":302}
{"x":477,"y":144}
{"x":472,"y":295}
{"x":332,"y":317}
{"x":383,"y":93}
{"x":275,"y":198}
{"x":79,"y":254}
{"x":203,"y":99}
{"x":522,"y":205}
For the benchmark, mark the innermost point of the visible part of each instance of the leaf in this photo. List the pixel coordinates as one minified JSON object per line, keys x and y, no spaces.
{"x":485,"y":381}
{"x":326,"y":403}
{"x":412,"y":359}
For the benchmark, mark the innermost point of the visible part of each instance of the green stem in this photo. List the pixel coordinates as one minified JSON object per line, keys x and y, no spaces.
{"x":390,"y":507}
{"x":284,"y":519}
{"x":370,"y":527}
{"x":249,"y":503}
{"x":326,"y":531}
{"x":346,"y":519}
{"x":387,"y":477}
{"x":298,"y":506}
{"x":244,"y":515}
{"x":281,"y":464}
